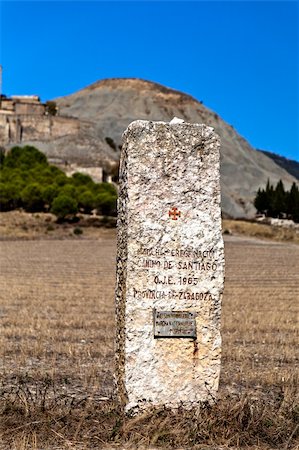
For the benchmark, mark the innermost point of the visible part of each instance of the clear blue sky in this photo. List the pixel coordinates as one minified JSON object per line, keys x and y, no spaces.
{"x":240,"y":58}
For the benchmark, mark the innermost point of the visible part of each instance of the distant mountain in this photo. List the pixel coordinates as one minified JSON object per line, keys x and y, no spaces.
{"x":289,"y":165}
{"x":106,"y":108}
{"x":112,"y":104}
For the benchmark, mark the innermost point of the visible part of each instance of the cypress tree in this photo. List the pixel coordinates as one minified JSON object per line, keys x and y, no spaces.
{"x":279,"y":200}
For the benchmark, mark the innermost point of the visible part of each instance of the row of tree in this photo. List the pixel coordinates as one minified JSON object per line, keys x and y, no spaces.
{"x":28,"y":181}
{"x":277,"y":202}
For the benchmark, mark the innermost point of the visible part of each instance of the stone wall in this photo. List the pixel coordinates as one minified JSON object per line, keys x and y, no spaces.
{"x":18,"y":128}
{"x":29,"y":108}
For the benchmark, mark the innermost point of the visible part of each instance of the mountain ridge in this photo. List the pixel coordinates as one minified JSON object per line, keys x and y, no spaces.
{"x":290,"y":165}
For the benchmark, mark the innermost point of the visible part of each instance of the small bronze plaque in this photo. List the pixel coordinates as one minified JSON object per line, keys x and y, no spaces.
{"x":174,"y":324}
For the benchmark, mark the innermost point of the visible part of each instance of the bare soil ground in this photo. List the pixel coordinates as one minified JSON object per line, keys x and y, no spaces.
{"x":18,"y":224}
{"x":56,"y":349}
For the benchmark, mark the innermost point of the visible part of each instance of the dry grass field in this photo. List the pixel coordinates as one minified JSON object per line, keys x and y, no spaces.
{"x":57,"y":329}
{"x":261,"y":230}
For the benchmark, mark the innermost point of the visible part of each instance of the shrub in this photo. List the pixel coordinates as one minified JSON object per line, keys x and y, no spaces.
{"x":106,"y":204}
{"x":105,"y":187}
{"x":9,"y":196}
{"x":42,"y":174}
{"x":111,"y":143}
{"x":49,"y":193}
{"x":61,"y":179}
{"x":2,"y":156}
{"x":63,"y":206}
{"x":32,"y":198}
{"x":51,"y":108}
{"x":28,"y":180}
{"x":87,"y":201}
{"x":81,"y":179}
{"x":27,"y":156}
{"x":69,"y":190}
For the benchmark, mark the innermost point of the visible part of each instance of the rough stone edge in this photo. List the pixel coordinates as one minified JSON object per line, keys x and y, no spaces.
{"x":121,"y":275}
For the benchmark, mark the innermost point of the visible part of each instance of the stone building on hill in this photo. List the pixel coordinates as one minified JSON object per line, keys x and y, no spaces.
{"x":22,"y":104}
{"x":25,"y":118}
{"x":66,"y":140}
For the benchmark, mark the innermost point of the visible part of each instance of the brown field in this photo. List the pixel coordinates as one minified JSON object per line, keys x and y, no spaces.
{"x":57,"y":328}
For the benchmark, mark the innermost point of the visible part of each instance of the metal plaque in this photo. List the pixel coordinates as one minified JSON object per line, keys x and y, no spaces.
{"x":174,"y":324}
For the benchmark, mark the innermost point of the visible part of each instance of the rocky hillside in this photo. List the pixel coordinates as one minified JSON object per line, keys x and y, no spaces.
{"x":113,"y":103}
{"x":289,"y":165}
{"x":105,"y":109}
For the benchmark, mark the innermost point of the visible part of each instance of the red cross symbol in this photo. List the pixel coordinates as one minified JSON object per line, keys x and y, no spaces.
{"x":174,"y":213}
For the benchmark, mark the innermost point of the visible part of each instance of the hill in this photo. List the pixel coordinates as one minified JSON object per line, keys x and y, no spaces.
{"x":112,"y":104}
{"x":289,"y":165}
{"x":106,"y":108}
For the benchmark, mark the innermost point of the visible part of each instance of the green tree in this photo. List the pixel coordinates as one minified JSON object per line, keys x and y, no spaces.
{"x":81,"y":179}
{"x":270,"y":198}
{"x":279,"y":200}
{"x":292,"y":203}
{"x":106,"y":204}
{"x":61,"y":179}
{"x":87,"y":201}
{"x":51,"y":108}
{"x":261,"y":201}
{"x":49,"y":193}
{"x":64,"y":206}
{"x":106,"y":187}
{"x":26,"y":157}
{"x":32,"y":198}
{"x":69,"y":190}
{"x":29,"y":181}
{"x":2,"y":156}
{"x":10,"y":196}
{"x":111,"y":143}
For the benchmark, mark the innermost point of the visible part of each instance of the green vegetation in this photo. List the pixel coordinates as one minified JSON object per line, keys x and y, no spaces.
{"x":63,"y":206}
{"x":51,"y":108}
{"x":28,"y":181}
{"x":111,"y":143}
{"x":277,"y":202}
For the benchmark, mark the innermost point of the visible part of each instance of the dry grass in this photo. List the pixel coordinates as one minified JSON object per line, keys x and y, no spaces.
{"x":26,"y":226}
{"x":261,"y":231}
{"x":57,"y":328}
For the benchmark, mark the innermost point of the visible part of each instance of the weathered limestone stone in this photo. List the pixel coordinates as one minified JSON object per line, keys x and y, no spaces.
{"x":170,"y":266}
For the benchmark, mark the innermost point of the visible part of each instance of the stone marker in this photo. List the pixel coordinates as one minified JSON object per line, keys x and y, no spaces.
{"x":170,"y":266}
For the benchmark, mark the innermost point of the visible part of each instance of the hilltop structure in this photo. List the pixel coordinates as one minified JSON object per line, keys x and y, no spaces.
{"x":22,"y":104}
{"x":25,"y":118}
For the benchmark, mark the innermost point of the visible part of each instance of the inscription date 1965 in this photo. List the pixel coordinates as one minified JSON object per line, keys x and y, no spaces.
{"x":171,"y":280}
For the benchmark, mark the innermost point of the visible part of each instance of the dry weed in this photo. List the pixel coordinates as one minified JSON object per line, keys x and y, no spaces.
{"x":261,"y":231}
{"x":56,"y":347}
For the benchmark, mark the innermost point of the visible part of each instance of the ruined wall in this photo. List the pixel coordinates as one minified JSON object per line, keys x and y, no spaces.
{"x":62,"y":126}
{"x":7,"y":104}
{"x":30,"y":108}
{"x":18,"y":128}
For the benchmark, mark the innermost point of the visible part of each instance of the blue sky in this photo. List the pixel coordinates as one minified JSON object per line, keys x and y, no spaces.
{"x":240,"y":58}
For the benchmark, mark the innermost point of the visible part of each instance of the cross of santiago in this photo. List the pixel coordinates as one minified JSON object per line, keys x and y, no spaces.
{"x":174,"y":213}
